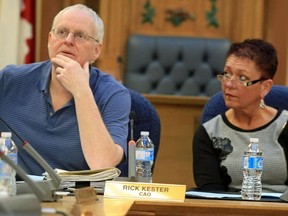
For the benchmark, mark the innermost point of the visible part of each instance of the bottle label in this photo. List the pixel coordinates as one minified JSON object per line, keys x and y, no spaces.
{"x":250,"y":162}
{"x":144,"y":154}
{"x":13,"y":157}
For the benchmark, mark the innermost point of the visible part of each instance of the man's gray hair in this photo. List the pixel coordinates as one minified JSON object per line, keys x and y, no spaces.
{"x":99,"y":25}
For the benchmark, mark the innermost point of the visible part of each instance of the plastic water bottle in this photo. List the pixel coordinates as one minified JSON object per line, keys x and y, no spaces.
{"x":252,"y":171}
{"x":4,"y":171}
{"x":144,"y":155}
{"x":13,"y":155}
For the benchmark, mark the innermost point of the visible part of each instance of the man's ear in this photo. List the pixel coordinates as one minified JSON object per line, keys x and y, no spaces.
{"x":97,"y":51}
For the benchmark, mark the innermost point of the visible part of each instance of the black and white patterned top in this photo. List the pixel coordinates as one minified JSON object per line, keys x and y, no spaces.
{"x":218,"y":149}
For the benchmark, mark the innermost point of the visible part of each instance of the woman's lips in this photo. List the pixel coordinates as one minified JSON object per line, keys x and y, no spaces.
{"x":229,"y":96}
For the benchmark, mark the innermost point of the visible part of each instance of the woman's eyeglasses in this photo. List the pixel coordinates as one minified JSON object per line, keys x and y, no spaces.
{"x":226,"y":77}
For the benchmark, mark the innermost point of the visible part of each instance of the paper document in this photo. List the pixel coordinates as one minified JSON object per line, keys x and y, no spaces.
{"x":33,"y":178}
{"x":36,"y":178}
{"x":87,"y":175}
{"x":225,"y":195}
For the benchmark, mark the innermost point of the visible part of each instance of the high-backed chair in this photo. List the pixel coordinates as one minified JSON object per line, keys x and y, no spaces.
{"x":277,"y":97}
{"x":175,"y":65}
{"x":146,"y":119}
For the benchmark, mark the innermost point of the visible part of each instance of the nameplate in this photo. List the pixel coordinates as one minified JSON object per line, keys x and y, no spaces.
{"x":145,"y":191}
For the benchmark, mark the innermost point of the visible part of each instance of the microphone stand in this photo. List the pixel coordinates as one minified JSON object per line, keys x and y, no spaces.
{"x":49,"y":186}
{"x":131,"y":151}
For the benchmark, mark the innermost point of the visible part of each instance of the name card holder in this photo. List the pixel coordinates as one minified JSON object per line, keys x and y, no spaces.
{"x":145,"y":191}
{"x":85,"y":197}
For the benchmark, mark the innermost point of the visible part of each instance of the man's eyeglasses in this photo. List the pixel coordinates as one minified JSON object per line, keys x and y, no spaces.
{"x":225,"y":77}
{"x":79,"y":36}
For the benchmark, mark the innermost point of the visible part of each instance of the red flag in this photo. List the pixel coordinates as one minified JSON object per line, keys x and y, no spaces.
{"x":28,"y":17}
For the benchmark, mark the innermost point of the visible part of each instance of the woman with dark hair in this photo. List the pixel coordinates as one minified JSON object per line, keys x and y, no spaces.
{"x":219,"y":143}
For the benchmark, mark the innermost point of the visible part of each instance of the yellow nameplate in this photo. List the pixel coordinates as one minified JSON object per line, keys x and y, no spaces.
{"x":145,"y":191}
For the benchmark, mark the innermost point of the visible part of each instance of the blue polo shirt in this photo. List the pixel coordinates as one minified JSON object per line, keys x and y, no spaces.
{"x":25,"y":104}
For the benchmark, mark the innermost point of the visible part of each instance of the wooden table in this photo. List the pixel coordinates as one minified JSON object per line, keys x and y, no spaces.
{"x":102,"y":207}
{"x":120,"y":207}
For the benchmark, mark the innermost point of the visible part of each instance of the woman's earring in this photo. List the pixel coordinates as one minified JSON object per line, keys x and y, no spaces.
{"x":262,"y":104}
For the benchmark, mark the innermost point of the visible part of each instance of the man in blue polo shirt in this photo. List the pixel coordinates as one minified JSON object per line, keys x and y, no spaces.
{"x":74,"y":115}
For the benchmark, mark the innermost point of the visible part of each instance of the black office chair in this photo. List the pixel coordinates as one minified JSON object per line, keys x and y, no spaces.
{"x":146,"y":119}
{"x":277,"y":97}
{"x":174,"y":65}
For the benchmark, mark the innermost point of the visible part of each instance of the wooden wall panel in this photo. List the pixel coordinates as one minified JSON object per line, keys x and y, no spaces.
{"x":115,"y":15}
{"x":197,"y":8}
{"x":179,"y":119}
{"x":237,"y":20}
{"x":276,"y":32}
{"x":44,"y":26}
{"x":247,"y":20}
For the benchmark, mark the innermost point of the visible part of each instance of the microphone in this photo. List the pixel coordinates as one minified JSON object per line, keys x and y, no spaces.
{"x":131,"y":150}
{"x":132,"y":117}
{"x":49,"y":186}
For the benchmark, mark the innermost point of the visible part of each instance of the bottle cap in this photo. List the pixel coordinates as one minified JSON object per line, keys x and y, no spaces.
{"x":6,"y":134}
{"x":144,"y":133}
{"x":254,"y":140}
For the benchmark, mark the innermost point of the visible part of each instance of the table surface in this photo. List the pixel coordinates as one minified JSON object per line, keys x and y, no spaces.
{"x":107,"y":206}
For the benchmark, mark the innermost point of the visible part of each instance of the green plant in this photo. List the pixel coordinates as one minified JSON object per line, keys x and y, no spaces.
{"x":149,"y":12}
{"x":211,"y":15}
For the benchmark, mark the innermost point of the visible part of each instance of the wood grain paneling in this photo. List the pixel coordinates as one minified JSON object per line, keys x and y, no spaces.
{"x":115,"y":15}
{"x":198,"y":27}
{"x":237,"y":20}
{"x":179,"y":118}
{"x":276,"y":32}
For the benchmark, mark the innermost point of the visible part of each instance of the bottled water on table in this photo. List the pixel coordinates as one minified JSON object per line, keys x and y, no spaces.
{"x":4,"y":171}
{"x":252,"y":171}
{"x":13,"y":155}
{"x":144,"y":155}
